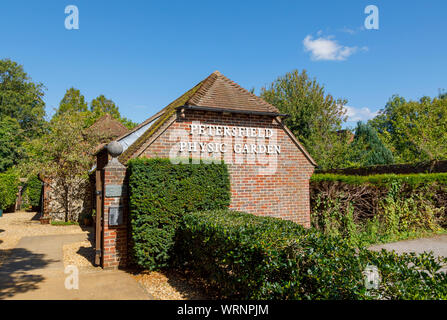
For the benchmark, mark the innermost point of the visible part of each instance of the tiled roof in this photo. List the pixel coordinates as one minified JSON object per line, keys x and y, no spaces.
{"x":216,"y":92}
{"x":108,"y":127}
{"x":166,"y":114}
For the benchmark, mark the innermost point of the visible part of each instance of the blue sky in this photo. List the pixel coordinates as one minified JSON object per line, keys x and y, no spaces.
{"x":143,"y":54}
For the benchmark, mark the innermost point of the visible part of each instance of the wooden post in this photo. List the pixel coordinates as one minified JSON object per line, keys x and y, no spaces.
{"x":98,"y":232}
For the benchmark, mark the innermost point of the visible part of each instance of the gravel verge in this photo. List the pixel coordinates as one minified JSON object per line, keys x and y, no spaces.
{"x":80,"y":254}
{"x":171,"y":285}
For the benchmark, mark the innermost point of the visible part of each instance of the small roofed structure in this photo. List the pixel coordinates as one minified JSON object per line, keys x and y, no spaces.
{"x":107,"y":129}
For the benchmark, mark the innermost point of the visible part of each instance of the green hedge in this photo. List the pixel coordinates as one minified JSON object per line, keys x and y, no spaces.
{"x":34,"y":191}
{"x":160,"y":193}
{"x":383,"y":179}
{"x":251,"y":257}
{"x":379,"y":208}
{"x":9,"y":183}
{"x":400,"y":168}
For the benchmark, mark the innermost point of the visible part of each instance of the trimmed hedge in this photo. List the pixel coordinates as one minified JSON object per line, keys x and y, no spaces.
{"x":34,"y":191}
{"x":251,"y":257}
{"x":405,"y":168}
{"x":383,"y":179}
{"x":9,"y":183}
{"x":160,"y":194}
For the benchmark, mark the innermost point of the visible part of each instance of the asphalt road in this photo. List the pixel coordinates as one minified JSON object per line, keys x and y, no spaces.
{"x":436,"y":244}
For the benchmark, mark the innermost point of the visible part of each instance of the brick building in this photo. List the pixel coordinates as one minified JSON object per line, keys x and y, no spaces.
{"x":215,"y":120}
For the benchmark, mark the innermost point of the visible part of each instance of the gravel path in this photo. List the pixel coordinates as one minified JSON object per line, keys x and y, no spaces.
{"x":171,"y":285}
{"x":80,"y":254}
{"x":14,"y":226}
{"x":168,"y":285}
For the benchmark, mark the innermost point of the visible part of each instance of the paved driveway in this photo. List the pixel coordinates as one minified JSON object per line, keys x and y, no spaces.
{"x":34,"y":269}
{"x":436,"y":244}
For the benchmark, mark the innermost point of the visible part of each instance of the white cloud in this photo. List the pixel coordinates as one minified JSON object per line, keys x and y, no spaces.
{"x":348,"y":30}
{"x":325,"y":48}
{"x":359,"y":114}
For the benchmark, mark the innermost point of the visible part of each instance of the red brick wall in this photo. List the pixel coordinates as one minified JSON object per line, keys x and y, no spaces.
{"x":114,"y":237}
{"x":283,"y":192}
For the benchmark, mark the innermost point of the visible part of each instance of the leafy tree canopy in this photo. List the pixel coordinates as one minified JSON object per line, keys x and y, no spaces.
{"x":414,"y":131}
{"x":314,"y":116}
{"x":367,"y":149}
{"x":101,"y":105}
{"x":21,"y":99}
{"x":64,"y":155}
{"x":10,"y":142}
{"x":73,"y":101}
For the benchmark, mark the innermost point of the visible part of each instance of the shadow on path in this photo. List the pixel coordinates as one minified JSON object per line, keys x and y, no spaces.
{"x":15,"y":273}
{"x":89,"y":252}
{"x":36,"y":217}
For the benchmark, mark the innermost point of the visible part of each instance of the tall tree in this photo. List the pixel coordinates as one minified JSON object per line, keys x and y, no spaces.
{"x":101,"y":105}
{"x":63,"y":156}
{"x":367,"y":149}
{"x":10,"y":143}
{"x":314,"y":116}
{"x":21,"y":99}
{"x":414,"y":130}
{"x":73,"y":101}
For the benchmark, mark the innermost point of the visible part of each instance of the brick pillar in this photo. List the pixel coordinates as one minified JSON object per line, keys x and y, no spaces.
{"x":114,"y":244}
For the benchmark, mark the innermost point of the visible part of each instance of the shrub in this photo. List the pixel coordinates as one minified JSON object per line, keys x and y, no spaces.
{"x":34,"y":191}
{"x":64,"y":223}
{"x":251,"y":257}
{"x":403,"y":168}
{"x":160,"y":193}
{"x":383,"y":179}
{"x":379,"y":208}
{"x":9,"y":183}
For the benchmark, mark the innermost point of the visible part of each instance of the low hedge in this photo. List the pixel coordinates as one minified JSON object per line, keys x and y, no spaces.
{"x":160,"y":193}
{"x":251,"y":257}
{"x":403,"y":168}
{"x":379,"y":208}
{"x":9,"y":183}
{"x":383,"y":179}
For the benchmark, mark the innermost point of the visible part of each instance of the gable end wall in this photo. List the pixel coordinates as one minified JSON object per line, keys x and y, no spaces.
{"x":284,"y":194}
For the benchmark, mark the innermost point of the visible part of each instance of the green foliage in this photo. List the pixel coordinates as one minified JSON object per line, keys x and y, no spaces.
{"x":64,"y":223}
{"x":10,"y":142}
{"x":382,"y":208}
{"x":64,"y":155}
{"x":9,"y":183}
{"x":162,"y":192}
{"x":73,"y":101}
{"x":367,"y":149}
{"x":251,"y":257}
{"x":383,"y":179}
{"x":21,"y":99}
{"x":34,"y":191}
{"x":314,"y":116}
{"x":101,"y":105}
{"x":414,"y":131}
